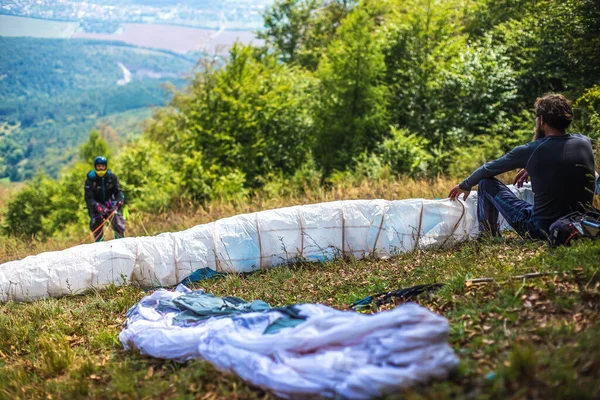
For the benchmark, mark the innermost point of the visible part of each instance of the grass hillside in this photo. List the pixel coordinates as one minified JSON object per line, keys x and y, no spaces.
{"x":536,"y":338}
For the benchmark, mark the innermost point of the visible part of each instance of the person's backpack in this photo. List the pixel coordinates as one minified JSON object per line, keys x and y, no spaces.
{"x":574,"y":226}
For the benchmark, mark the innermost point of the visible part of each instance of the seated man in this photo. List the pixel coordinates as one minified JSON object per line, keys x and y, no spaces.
{"x":561,"y":168}
{"x":103,"y":196}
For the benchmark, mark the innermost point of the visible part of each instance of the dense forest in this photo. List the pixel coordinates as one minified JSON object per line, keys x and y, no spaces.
{"x":345,"y":90}
{"x":53,"y":91}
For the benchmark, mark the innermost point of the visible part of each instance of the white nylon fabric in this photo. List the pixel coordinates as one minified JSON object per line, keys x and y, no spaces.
{"x":333,"y":353}
{"x":245,"y":243}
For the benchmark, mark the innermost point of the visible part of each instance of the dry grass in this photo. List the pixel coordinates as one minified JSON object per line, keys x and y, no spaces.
{"x":187,"y":216}
{"x":6,"y":188}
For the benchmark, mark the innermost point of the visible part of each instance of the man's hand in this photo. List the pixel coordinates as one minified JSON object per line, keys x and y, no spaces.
{"x":101,"y":209}
{"x":521,"y":178}
{"x":456,"y":191}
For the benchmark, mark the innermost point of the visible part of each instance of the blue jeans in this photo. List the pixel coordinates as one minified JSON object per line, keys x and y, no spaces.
{"x":494,"y":197}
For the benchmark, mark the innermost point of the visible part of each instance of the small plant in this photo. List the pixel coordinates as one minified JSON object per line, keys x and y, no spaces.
{"x":56,"y":355}
{"x":522,"y":365}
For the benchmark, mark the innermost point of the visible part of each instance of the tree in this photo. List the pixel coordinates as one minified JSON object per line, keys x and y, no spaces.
{"x":286,"y":25}
{"x":423,"y":38}
{"x":482,"y":16}
{"x":94,"y":147}
{"x":553,"y":48}
{"x":475,"y":94}
{"x":301,"y":30}
{"x":250,"y":118}
{"x":352,"y":111}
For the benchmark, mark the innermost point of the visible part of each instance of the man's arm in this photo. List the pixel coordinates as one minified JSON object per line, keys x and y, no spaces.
{"x":516,"y":158}
{"x":88,"y":195}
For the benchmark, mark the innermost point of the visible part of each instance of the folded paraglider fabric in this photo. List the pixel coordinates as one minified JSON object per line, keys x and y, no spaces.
{"x":298,"y":351}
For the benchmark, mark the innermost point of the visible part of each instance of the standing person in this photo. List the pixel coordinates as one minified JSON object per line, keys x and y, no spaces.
{"x":561,"y":168}
{"x":103,"y":196}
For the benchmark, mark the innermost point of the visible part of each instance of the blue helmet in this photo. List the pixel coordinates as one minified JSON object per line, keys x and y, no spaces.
{"x":100,"y":160}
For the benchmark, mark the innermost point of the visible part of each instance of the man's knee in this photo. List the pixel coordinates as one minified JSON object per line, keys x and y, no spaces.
{"x":487,"y":185}
{"x":119,"y":231}
{"x":118,"y":225}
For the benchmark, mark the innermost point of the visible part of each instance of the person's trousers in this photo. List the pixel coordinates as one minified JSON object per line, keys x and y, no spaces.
{"x":494,"y":198}
{"x":117,"y":225}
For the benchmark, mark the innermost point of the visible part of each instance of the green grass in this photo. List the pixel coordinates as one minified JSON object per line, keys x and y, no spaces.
{"x":538,"y":338}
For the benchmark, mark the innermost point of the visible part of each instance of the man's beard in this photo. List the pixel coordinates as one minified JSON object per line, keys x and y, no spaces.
{"x":539,"y":133}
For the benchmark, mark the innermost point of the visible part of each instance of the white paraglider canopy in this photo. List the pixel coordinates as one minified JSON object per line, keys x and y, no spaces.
{"x":245,"y":243}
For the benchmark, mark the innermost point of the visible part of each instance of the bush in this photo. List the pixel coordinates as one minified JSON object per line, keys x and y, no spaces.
{"x":28,"y":209}
{"x":467,"y":159}
{"x":405,"y":152}
{"x":67,"y":202}
{"x":589,"y":104}
{"x":147,"y":179}
{"x":308,"y":177}
{"x":230,"y":186}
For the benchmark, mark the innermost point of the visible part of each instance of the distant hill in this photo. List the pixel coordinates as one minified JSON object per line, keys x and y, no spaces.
{"x":53,"y":91}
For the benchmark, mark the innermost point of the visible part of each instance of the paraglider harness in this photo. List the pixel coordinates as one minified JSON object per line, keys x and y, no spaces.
{"x":575,"y":226}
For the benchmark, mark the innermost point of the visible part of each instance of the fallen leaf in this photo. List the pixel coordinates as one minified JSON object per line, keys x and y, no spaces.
{"x":533,"y":296}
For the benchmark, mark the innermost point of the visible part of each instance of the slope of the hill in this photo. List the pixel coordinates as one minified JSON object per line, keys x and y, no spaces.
{"x":52,"y":92}
{"x":536,"y":338}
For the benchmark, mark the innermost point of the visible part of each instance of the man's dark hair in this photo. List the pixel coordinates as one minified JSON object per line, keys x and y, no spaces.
{"x":555,"y":109}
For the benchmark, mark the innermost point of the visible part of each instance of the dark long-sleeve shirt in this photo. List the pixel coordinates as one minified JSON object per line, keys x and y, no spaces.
{"x":561,"y":169}
{"x":100,"y":190}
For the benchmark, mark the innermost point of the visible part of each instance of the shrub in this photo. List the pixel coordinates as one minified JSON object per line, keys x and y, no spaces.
{"x":147,"y":179}
{"x":405,"y":152}
{"x":27,"y":209}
